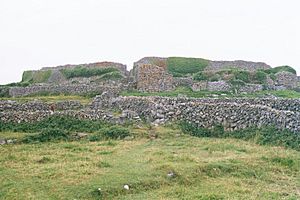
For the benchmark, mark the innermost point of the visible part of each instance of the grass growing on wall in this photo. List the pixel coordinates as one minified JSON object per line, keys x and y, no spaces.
{"x":36,"y":76}
{"x":86,"y":72}
{"x":281,"y":69}
{"x":258,"y":76}
{"x":27,"y":76}
{"x":179,"y":66}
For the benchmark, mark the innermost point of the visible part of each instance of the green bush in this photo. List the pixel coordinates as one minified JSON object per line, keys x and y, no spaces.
{"x":262,"y":136}
{"x":200,"y":76}
{"x":242,"y":75}
{"x":214,"y":78}
{"x":47,"y":135}
{"x":115,"y":132}
{"x":86,"y":72}
{"x":4,"y":92}
{"x":260,"y":77}
{"x":61,"y":122}
{"x":180,"y":65}
{"x":96,"y":137}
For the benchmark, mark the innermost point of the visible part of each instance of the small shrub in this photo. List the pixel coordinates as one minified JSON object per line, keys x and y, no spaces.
{"x":200,"y":76}
{"x":61,"y":122}
{"x":47,"y":135}
{"x":96,"y":137}
{"x":115,"y":132}
{"x":214,"y":78}
{"x":260,"y":77}
{"x":242,"y":75}
{"x":4,"y":92}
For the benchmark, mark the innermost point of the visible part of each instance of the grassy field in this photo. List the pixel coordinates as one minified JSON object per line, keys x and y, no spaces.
{"x":204,"y":168}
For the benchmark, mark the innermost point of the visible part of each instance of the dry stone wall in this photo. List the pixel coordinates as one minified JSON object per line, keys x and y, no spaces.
{"x":152,"y":78}
{"x":287,"y":80}
{"x":233,"y":114}
{"x":66,"y":89}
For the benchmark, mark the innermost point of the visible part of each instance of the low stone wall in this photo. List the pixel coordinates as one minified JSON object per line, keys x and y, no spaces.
{"x":32,"y":106}
{"x":251,"y":88}
{"x":220,"y":86}
{"x":65,"y":89}
{"x":233,"y":114}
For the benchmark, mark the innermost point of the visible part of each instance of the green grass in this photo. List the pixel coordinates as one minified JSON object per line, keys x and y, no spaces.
{"x":64,"y":123}
{"x":281,"y":69}
{"x":86,"y":72}
{"x":199,"y":94}
{"x":179,"y":66}
{"x":204,"y":168}
{"x":263,"y":135}
{"x":36,"y":76}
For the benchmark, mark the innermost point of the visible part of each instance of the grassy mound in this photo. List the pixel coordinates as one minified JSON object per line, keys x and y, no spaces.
{"x":179,"y":66}
{"x":36,"y":76}
{"x":86,"y":72}
{"x":281,"y":69}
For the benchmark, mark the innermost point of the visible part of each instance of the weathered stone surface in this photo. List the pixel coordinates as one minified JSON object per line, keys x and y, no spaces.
{"x":251,"y":88}
{"x":221,"y":86}
{"x":236,"y":113}
{"x":198,"y":86}
{"x":152,"y":78}
{"x":56,"y":77}
{"x":66,"y":88}
{"x":286,"y":79}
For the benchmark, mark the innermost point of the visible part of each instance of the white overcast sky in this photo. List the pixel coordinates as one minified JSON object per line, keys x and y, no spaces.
{"x":38,"y":33}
